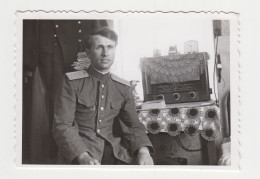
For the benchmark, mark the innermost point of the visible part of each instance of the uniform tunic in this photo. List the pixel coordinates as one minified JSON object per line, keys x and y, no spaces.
{"x":93,"y":109}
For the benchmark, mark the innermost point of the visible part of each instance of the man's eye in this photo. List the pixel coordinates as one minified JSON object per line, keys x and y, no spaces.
{"x":111,"y":46}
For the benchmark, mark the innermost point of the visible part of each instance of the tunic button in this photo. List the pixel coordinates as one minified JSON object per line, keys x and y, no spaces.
{"x":102,"y":96}
{"x":103,"y":86}
{"x":80,"y":31}
{"x":100,"y":120}
{"x":79,"y":40}
{"x":102,"y":109}
{"x":57,"y":26}
{"x":98,"y":131}
{"x":79,"y":22}
{"x":55,"y":35}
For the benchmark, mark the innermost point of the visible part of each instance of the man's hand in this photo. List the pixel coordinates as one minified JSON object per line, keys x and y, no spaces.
{"x":225,"y":159}
{"x":85,"y":159}
{"x":143,"y":157}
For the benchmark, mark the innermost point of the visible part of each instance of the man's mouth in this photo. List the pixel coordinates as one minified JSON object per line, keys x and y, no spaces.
{"x":105,"y":61}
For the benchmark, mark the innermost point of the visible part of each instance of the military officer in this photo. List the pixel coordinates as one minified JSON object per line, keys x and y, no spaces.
{"x":95,"y":121}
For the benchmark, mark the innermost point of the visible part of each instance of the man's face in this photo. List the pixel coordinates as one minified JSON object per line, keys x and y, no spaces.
{"x":102,"y":52}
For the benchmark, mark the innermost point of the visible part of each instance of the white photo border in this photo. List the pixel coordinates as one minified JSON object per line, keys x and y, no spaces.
{"x":234,"y":79}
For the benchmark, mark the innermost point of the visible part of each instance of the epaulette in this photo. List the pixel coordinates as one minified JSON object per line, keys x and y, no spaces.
{"x":120,"y":80}
{"x":77,"y":75}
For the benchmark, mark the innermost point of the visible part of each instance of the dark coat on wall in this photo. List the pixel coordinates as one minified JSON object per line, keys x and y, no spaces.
{"x":49,"y":49}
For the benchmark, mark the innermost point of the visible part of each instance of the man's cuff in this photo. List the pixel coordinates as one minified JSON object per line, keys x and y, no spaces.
{"x":144,"y":150}
{"x":71,"y":156}
{"x":136,"y":146}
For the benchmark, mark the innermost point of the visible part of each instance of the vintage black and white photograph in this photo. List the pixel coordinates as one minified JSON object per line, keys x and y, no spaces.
{"x":128,"y":89}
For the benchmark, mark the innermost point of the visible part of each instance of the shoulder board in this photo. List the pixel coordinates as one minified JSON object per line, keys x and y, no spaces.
{"x":120,"y":80}
{"x":77,"y":75}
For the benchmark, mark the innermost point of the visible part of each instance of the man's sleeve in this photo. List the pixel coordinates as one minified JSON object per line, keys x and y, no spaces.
{"x":133,"y":130}
{"x":65,"y":130}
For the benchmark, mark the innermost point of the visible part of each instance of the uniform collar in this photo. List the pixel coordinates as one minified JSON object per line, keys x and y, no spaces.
{"x":97,"y":74}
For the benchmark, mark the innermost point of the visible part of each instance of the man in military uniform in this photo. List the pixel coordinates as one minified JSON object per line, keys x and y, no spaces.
{"x":95,"y":121}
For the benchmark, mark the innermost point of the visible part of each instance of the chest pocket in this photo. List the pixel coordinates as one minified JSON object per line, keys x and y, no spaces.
{"x":86,"y":108}
{"x":115,"y":107}
{"x":86,"y":103}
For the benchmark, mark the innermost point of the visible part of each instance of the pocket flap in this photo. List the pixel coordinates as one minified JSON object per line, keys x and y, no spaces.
{"x":115,"y":105}
{"x":88,"y":102}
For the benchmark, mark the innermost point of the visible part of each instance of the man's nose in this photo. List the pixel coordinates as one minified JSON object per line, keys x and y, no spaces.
{"x":104,"y":52}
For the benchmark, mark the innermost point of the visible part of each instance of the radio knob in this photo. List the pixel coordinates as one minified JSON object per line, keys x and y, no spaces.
{"x":160,"y":97}
{"x":176,"y":96}
{"x":192,"y":94}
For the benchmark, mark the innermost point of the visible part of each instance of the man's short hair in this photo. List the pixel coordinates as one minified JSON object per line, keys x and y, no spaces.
{"x":103,"y":31}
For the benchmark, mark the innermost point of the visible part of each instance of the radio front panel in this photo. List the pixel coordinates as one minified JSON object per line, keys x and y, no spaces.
{"x":188,"y":83}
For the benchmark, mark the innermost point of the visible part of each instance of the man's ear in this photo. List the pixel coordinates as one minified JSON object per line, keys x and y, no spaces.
{"x":87,"y":52}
